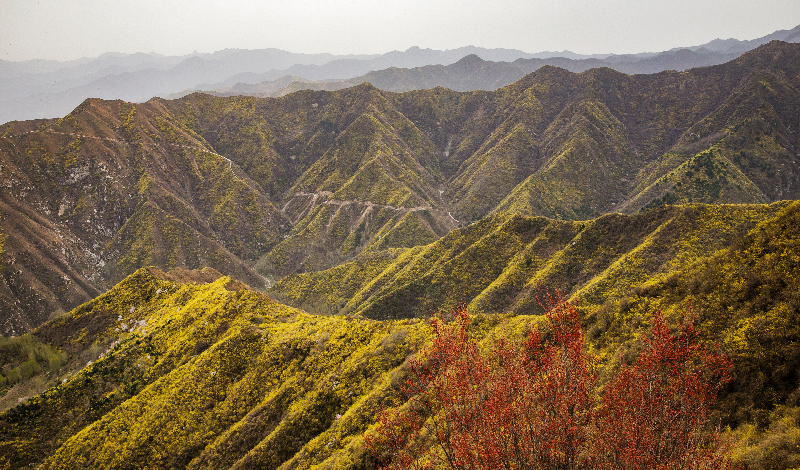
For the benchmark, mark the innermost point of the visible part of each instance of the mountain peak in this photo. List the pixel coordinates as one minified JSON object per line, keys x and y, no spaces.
{"x":471,"y":59}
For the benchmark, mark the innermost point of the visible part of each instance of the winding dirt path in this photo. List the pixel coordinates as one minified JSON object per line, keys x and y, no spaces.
{"x":370,"y":204}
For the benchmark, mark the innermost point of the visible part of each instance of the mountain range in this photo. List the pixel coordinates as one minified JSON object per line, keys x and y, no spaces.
{"x":191,"y":369}
{"x":474,"y":73}
{"x":263,"y":188}
{"x":36,"y":89}
{"x":237,"y":281}
{"x":47,"y":89}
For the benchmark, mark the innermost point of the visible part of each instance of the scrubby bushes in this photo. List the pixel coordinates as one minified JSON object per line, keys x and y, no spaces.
{"x":25,"y":357}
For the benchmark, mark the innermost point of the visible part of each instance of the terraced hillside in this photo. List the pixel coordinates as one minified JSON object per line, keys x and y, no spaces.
{"x":263,"y":188}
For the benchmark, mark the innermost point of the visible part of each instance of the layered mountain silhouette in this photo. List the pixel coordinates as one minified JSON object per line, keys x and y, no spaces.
{"x":474,"y":73}
{"x":471,"y":73}
{"x":39,"y":88}
{"x":47,"y":89}
{"x":260,"y":188}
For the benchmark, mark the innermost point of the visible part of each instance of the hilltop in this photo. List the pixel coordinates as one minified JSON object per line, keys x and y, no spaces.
{"x":159,"y":370}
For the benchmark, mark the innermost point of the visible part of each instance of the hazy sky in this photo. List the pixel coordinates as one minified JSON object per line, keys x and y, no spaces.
{"x":69,"y":29}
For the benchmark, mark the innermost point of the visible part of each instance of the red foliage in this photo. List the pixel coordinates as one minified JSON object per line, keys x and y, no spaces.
{"x":659,"y":407}
{"x":538,"y":405}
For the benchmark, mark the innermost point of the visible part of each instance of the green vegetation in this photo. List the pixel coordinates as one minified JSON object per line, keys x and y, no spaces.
{"x":23,"y":358}
{"x":191,"y":374}
{"x":207,"y":375}
{"x":327,"y":292}
{"x":773,"y":446}
{"x":737,"y":266}
{"x":494,"y":264}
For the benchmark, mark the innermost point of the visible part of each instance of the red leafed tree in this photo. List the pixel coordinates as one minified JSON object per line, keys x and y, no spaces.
{"x":538,"y":405}
{"x":655,"y":413}
{"x":518,"y":407}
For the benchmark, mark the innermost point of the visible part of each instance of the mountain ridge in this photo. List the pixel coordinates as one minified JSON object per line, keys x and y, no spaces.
{"x":263,"y":188}
{"x":498,"y":74}
{"x":154,"y":257}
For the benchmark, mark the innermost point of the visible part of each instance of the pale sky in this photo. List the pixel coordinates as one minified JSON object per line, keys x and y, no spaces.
{"x":70,"y":29}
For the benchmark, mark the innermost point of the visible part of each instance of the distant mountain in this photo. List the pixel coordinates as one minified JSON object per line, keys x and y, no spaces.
{"x":20,"y":79}
{"x":469,"y":73}
{"x":37,"y":89}
{"x":47,"y":89}
{"x":261,"y":188}
{"x":736,"y":45}
{"x":474,"y":72}
{"x":411,"y":58}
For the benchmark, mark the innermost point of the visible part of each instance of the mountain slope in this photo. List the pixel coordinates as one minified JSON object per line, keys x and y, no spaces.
{"x":204,"y":375}
{"x":194,"y":370}
{"x":262,"y":188}
{"x":718,"y":118}
{"x":96,"y":195}
{"x":495,"y":265}
{"x":737,"y":267}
